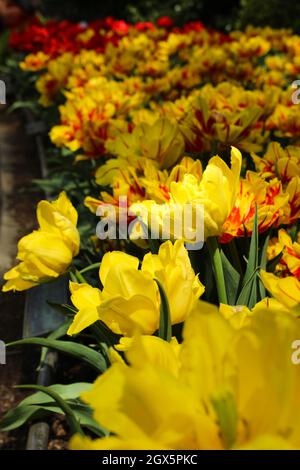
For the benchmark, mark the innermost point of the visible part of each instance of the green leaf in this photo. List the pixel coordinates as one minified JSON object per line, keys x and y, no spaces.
{"x":103,"y":334}
{"x":75,"y":427}
{"x":153,"y":243}
{"x":203,"y":263}
{"x":67,"y":392}
{"x":32,"y":406}
{"x":165,"y":328}
{"x":217,"y":265}
{"x":232,"y":279}
{"x":263,"y":265}
{"x":22,"y":414}
{"x":271,"y":265}
{"x":225,"y":408}
{"x":22,"y":105}
{"x":18,"y":416}
{"x":63,"y":308}
{"x":83,"y":415}
{"x":56,"y":334}
{"x":248,"y":295}
{"x":81,"y":352}
{"x":293,"y":232}
{"x":90,"y":268}
{"x":235,"y":256}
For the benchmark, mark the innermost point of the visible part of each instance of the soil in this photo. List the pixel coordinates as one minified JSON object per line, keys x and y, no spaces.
{"x":18,"y":166}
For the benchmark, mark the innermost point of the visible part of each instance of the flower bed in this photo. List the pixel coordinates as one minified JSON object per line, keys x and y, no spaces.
{"x":195,"y":334}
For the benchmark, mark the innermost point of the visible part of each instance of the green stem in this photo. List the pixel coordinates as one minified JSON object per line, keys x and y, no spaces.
{"x":79,"y":277}
{"x":165,"y":326}
{"x":90,"y":268}
{"x":73,"y":277}
{"x":74,"y":424}
{"x":215,"y":256}
{"x":101,"y":335}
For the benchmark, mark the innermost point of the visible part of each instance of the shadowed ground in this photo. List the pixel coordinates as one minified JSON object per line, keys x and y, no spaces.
{"x":18,"y":166}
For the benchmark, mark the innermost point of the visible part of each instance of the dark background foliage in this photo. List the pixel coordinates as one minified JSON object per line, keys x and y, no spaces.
{"x":275,"y":13}
{"x":225,"y":15}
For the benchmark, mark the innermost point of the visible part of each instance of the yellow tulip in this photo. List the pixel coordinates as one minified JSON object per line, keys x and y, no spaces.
{"x":130,"y":300}
{"x":215,"y":192}
{"x":289,"y":263}
{"x":278,"y":162}
{"x":172,"y":267}
{"x":226,"y":115}
{"x":270,"y":303}
{"x":291,"y":255}
{"x":35,"y":62}
{"x":92,"y":114}
{"x":155,"y":351}
{"x":286,"y":290}
{"x":212,"y":403}
{"x":53,"y":80}
{"x":238,"y":316}
{"x":47,"y":252}
{"x":160,"y":141}
{"x":271,"y":202}
{"x":87,"y":300}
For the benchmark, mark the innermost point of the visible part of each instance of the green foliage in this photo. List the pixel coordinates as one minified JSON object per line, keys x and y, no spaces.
{"x":79,"y":351}
{"x":180,"y":11}
{"x":226,"y":15}
{"x":165,"y":327}
{"x":40,"y":404}
{"x":274,"y":13}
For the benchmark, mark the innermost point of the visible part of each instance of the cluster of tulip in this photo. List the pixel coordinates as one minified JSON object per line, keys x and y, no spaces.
{"x":167,"y":117}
